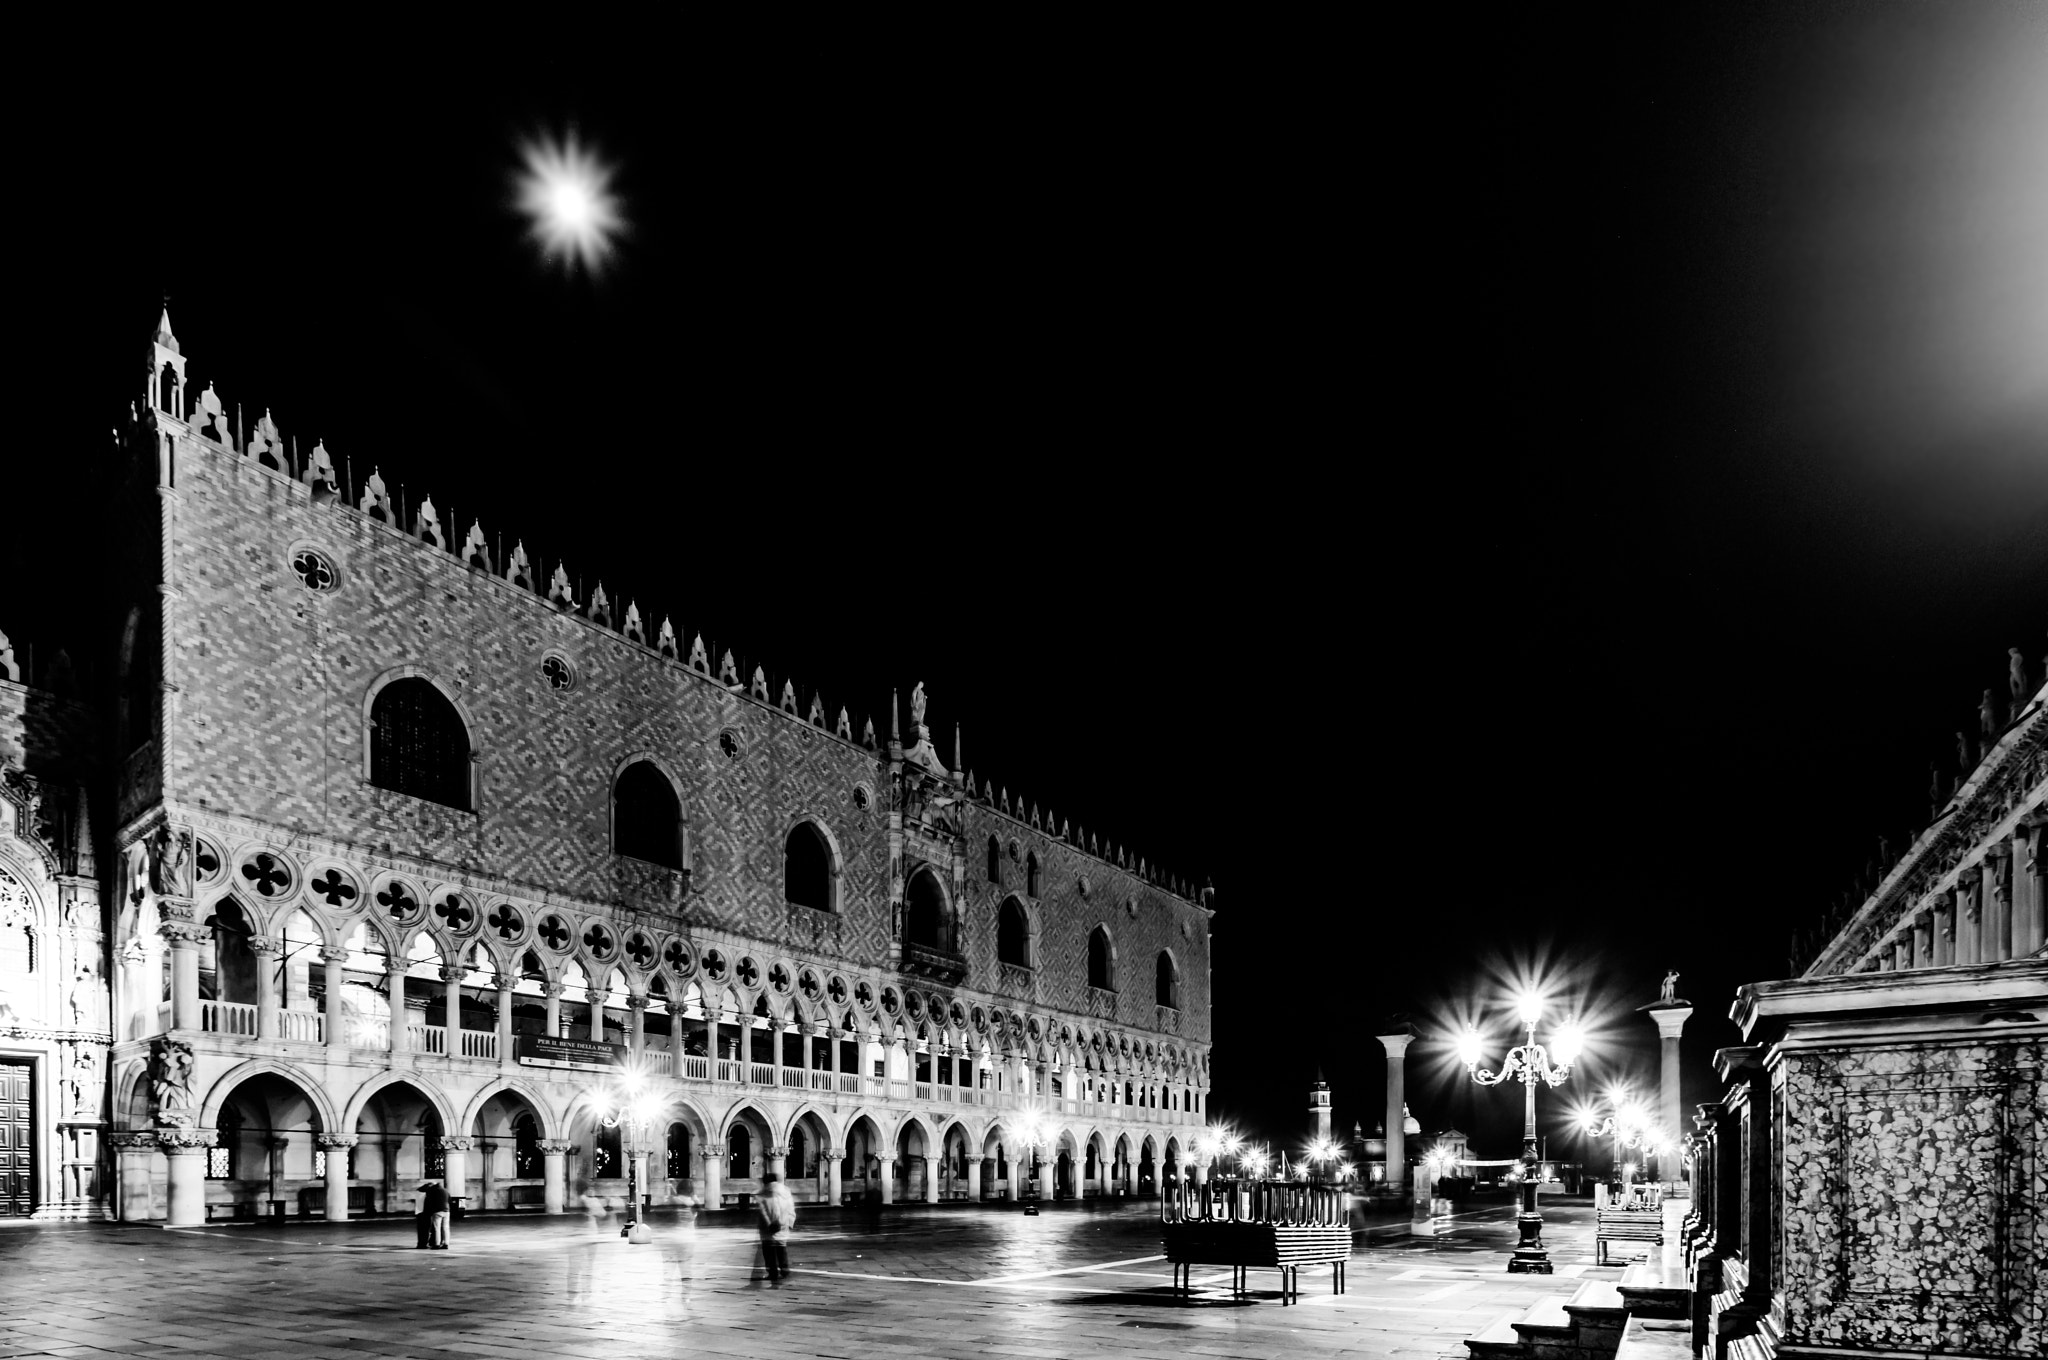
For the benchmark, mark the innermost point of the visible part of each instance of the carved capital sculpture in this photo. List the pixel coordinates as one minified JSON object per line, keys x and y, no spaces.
{"x":453,"y":974}
{"x":556,"y":1146}
{"x":185,"y":1142}
{"x":456,"y":1143}
{"x":333,"y":954}
{"x":335,"y":1140}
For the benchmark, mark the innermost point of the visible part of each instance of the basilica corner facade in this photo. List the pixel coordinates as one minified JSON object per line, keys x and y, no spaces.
{"x":381,"y":855}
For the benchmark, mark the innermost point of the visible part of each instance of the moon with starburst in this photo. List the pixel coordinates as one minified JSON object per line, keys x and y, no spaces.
{"x":573,"y":215}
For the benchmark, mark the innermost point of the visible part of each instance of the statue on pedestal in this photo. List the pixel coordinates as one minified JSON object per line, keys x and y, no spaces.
{"x":1670,"y":986}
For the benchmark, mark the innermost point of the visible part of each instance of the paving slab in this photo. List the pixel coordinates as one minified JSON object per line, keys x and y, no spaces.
{"x":1072,"y":1281}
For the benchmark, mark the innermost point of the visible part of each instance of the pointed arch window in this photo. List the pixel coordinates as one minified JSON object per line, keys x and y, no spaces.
{"x":995,"y":862}
{"x":1031,"y":875}
{"x":1167,"y":984}
{"x":606,"y":1158}
{"x":739,"y":1154}
{"x":527,"y":1159}
{"x":925,"y":909}
{"x":1013,"y":934}
{"x":418,"y":744}
{"x":1101,"y":960}
{"x":647,"y":817}
{"x":807,"y":868}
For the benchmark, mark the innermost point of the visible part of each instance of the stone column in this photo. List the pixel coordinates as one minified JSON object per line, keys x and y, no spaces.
{"x":973,"y":1179}
{"x":636,"y":1021}
{"x":1969,"y":929}
{"x":487,"y":1163}
{"x":1013,"y":1183}
{"x":832,"y":1179}
{"x":278,"y":1145}
{"x":553,"y":992}
{"x":1396,"y":1041}
{"x":336,"y":1019}
{"x":337,"y":1145}
{"x":455,"y":1163}
{"x":708,"y":1187}
{"x":1991,"y":891}
{"x":1944,"y":934}
{"x":777,"y":1161}
{"x":508,"y":1056}
{"x":186,"y":1149}
{"x":2023,"y":873}
{"x":394,"y":982}
{"x":555,"y":1160}
{"x":451,"y":1012}
{"x":1045,"y":1185}
{"x":1670,"y":1017}
{"x":265,"y":952}
{"x":886,"y":1168}
{"x":931,"y":1176}
{"x":134,"y":1197}
{"x":183,"y":938}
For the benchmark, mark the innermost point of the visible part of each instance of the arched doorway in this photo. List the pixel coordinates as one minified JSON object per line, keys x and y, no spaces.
{"x":805,"y":1167}
{"x":265,"y":1149}
{"x":916,"y":1176}
{"x":507,"y":1170}
{"x":398,"y":1145}
{"x":861,"y":1175}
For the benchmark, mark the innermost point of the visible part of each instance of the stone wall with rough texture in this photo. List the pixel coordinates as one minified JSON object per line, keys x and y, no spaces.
{"x":272,"y":687}
{"x":1913,"y":1183}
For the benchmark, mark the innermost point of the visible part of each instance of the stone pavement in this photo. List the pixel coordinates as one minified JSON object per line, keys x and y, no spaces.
{"x":1073,"y":1281}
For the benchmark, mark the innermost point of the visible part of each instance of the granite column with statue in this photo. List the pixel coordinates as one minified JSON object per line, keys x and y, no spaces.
{"x":1669,"y":1012}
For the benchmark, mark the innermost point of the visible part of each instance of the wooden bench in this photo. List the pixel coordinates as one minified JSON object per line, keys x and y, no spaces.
{"x":362,"y":1200}
{"x":526,"y":1197}
{"x":1626,"y":1225}
{"x":1269,"y":1246}
{"x":1271,"y":1225}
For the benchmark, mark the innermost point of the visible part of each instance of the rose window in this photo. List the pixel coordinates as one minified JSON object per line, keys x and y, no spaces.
{"x":314,"y":571}
{"x":556,"y":672}
{"x":835,"y":989}
{"x":865,"y":995}
{"x":506,"y":921}
{"x":598,"y":941}
{"x":455,"y":913}
{"x":714,"y":965}
{"x":554,"y":934}
{"x":778,"y":978}
{"x":676,"y":956}
{"x":639,"y":950}
{"x":748,"y":972}
{"x":334,"y":889}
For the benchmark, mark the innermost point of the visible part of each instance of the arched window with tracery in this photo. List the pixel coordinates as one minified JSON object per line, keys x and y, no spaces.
{"x":995,"y":862}
{"x":1013,"y":934}
{"x":1031,"y":875}
{"x":807,"y":868}
{"x":925,"y":910}
{"x":647,"y":817}
{"x":1101,"y":960}
{"x":418,"y":744}
{"x":1167,"y":986}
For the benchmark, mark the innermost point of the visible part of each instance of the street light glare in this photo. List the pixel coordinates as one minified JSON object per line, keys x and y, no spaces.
{"x":1531,"y":1008}
{"x":566,"y":192}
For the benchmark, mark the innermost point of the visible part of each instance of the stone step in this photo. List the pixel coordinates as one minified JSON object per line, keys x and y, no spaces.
{"x":1655,"y":1339}
{"x":1649,"y":1294}
{"x":1500,"y":1340}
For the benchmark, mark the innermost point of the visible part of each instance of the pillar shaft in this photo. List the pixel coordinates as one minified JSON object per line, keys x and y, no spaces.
{"x":184,"y":942}
{"x":265,"y":954}
{"x":336,"y":1019}
{"x":394,"y":981}
{"x":1397,"y":1107}
{"x":555,"y":1162}
{"x":974,"y":1180}
{"x":832,"y":1181}
{"x":886,"y":1168}
{"x":188,"y":1177}
{"x":337,"y":1176}
{"x":1670,"y":1018}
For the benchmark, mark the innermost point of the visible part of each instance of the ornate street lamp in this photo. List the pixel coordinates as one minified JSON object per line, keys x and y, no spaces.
{"x":1530,"y":1062}
{"x":627,"y":1104}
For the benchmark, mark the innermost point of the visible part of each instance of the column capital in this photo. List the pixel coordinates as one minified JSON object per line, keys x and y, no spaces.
{"x":133,"y":1140}
{"x":185,"y":1142}
{"x":555,"y":1147}
{"x":456,"y":1143}
{"x":777,"y":1151}
{"x":453,"y":974}
{"x":278,"y":1142}
{"x":260,"y":946}
{"x":180,"y":934}
{"x":975,"y":1159}
{"x":553,"y":990}
{"x":333,"y":954}
{"x":834,"y":1155}
{"x":335,"y":1140}
{"x":637,"y":1001}
{"x":1396,"y":1044}
{"x":1670,"y":1018}
{"x":396,"y":967}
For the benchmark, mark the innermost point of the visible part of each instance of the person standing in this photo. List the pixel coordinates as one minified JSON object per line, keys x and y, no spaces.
{"x":434,"y":1204}
{"x":778,"y":1216}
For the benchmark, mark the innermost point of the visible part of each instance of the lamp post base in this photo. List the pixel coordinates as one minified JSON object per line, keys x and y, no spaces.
{"x":1531,"y":1257}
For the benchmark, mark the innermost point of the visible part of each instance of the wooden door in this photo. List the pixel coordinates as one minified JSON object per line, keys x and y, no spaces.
{"x":17,"y":1140}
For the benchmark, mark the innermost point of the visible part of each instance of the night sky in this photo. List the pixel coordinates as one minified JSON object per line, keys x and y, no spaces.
{"x":1511,"y":503}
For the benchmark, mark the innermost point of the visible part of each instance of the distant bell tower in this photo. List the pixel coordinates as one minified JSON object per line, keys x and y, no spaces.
{"x":166,"y":370}
{"x":1319,"y":1106}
